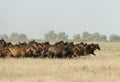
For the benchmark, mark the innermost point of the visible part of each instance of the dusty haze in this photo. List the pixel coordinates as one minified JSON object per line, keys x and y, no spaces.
{"x":36,"y":17}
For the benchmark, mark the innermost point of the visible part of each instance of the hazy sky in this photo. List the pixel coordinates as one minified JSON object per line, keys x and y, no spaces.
{"x":36,"y":17}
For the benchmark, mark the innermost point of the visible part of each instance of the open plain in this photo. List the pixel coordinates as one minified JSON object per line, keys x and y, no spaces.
{"x":104,"y":67}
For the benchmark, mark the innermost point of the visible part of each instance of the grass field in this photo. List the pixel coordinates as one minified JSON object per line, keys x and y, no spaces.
{"x":105,"y":67}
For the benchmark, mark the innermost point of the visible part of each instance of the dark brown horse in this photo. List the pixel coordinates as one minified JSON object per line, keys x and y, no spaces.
{"x":4,"y":52}
{"x":68,"y":48}
{"x":91,"y":48}
{"x":2,"y":43}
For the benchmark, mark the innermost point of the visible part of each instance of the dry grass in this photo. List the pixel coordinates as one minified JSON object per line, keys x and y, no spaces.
{"x":105,"y":67}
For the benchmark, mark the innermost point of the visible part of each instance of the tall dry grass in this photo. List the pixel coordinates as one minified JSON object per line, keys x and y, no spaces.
{"x":105,"y":67}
